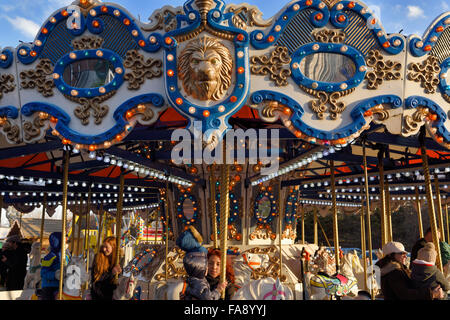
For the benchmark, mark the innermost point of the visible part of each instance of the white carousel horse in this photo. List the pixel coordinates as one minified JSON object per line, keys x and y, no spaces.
{"x":33,"y":277}
{"x":352,"y":267}
{"x":169,"y":290}
{"x":75,"y":277}
{"x":264,"y":289}
{"x":125,"y":288}
{"x":245,"y":263}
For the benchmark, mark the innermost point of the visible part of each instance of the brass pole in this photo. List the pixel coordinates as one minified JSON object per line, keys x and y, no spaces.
{"x":369,"y":228}
{"x":363,"y":239}
{"x":79,"y":226}
{"x":323,"y":232}
{"x":72,"y":242}
{"x":448,"y":230}
{"x":430,"y":201}
{"x":100,"y":228}
{"x":119,"y":219}
{"x":335,"y":217}
{"x":280,"y":224}
{"x":303,"y":225}
{"x":388,"y":213}
{"x":166,"y":202}
{"x":382,"y":199}
{"x":44,"y":207}
{"x":63,"y":222}
{"x":212,"y":191}
{"x":87,"y":232}
{"x":439,"y":207}
{"x":224,"y":213}
{"x":419,"y":213}
{"x":316,"y":233}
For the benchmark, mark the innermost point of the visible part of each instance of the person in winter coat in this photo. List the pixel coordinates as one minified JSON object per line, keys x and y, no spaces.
{"x":424,"y":272}
{"x":396,"y":283}
{"x":428,"y":237}
{"x":104,"y":271}
{"x":50,"y":268}
{"x":196,"y":265}
{"x":15,"y":258}
{"x":213,"y":276}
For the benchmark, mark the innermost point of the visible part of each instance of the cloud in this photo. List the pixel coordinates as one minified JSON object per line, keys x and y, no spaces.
{"x":415,"y":12}
{"x":25,"y":26}
{"x":445,"y":6}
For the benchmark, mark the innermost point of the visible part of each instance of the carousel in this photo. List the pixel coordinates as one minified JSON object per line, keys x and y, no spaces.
{"x":209,"y":117}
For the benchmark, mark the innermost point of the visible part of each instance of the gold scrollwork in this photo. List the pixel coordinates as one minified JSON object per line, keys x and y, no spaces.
{"x":6,"y":84}
{"x":163,"y":20}
{"x":381,"y":70}
{"x":141,"y":69}
{"x":83,"y":112}
{"x":328,"y":35}
{"x":412,"y":123}
{"x":319,"y":106}
{"x":39,"y":78}
{"x":174,"y":272}
{"x":288,"y":233}
{"x":253,"y":17}
{"x":273,"y":65}
{"x":427,"y":73}
{"x":272,"y":270}
{"x":87,"y":42}
{"x":12,"y":131}
{"x":32,"y":129}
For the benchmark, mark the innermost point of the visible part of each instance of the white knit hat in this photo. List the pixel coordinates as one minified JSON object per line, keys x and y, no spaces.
{"x":393,"y":247}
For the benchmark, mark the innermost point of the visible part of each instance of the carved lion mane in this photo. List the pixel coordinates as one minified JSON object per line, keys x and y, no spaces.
{"x":204,"y":68}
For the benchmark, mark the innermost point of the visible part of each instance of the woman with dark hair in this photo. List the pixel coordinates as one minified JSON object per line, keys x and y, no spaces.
{"x":396,"y":282}
{"x":104,"y":270}
{"x":213,"y":276}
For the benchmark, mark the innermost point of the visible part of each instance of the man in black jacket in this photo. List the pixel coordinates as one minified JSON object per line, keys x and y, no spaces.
{"x":15,"y":257}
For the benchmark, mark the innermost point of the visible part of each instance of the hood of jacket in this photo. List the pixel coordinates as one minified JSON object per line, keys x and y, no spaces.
{"x":196,"y":264}
{"x":55,"y":242}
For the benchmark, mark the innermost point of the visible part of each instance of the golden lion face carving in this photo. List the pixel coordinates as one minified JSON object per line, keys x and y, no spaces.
{"x":205,"y":67}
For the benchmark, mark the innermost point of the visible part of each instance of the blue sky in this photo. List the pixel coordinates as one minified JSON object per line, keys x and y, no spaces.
{"x":20,"y":19}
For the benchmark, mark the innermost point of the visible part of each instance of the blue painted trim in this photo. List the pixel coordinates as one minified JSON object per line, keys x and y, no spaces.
{"x":4,"y":64}
{"x":9,"y":112}
{"x":357,"y":114}
{"x":419,"y":52}
{"x":417,"y":101}
{"x":64,"y":119}
{"x":284,"y":20}
{"x":376,"y":28}
{"x":181,"y":200}
{"x":306,"y":50}
{"x":108,"y":55}
{"x":290,"y":209}
{"x":444,"y":86}
{"x":273,"y":207}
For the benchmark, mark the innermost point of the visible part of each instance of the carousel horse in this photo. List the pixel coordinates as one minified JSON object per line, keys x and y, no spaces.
{"x":245,"y":264}
{"x":33,"y":277}
{"x":169,"y":290}
{"x":125,"y":288}
{"x":352,"y":267}
{"x":75,"y":277}
{"x":321,"y":285}
{"x":264,"y":289}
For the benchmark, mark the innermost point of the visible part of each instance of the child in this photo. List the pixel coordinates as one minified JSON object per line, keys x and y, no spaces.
{"x":424,"y":273}
{"x":50,"y":268}
{"x":196,"y":265}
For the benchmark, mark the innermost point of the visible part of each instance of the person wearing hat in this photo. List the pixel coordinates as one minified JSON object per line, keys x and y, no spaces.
{"x":15,"y":258}
{"x":396,"y":282}
{"x":196,"y":265}
{"x":428,"y":237}
{"x":424,"y":272}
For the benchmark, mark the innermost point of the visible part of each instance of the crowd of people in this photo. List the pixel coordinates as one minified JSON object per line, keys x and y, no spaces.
{"x":420,"y":280}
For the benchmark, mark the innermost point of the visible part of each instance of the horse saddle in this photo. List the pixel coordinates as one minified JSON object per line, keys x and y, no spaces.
{"x":337,"y":285}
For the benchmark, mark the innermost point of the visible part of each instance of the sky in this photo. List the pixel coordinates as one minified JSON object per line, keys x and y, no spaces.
{"x":21,"y":19}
